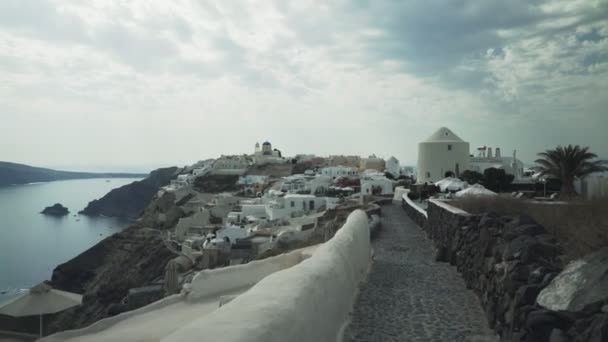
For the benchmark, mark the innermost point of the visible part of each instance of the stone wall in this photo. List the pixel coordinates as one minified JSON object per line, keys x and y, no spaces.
{"x":413,"y":211}
{"x":507,"y":261}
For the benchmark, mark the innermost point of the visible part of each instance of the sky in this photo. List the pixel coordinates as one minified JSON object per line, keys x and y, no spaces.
{"x":135,"y":85}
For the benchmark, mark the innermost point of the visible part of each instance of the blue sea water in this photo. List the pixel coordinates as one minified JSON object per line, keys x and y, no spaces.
{"x":32,"y":244}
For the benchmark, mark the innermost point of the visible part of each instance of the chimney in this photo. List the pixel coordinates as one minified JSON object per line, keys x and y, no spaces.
{"x":498,"y":152}
{"x":489,"y":152}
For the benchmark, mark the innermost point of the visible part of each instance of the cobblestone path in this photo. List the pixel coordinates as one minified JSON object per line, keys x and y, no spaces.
{"x":408,"y":296}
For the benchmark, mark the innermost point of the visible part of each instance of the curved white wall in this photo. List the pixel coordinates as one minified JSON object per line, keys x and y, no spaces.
{"x":208,"y":283}
{"x":436,"y":159}
{"x":307,"y":302}
{"x":399,"y":192}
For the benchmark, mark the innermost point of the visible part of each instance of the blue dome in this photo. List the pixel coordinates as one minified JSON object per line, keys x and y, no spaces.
{"x":266,"y":144}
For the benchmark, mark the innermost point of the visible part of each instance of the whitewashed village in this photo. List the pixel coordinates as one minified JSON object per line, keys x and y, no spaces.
{"x":263,"y":246}
{"x":272,"y":206}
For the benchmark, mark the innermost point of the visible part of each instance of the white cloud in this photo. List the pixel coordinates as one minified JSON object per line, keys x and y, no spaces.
{"x":163,"y":82}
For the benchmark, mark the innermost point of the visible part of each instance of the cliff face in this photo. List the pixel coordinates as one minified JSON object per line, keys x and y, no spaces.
{"x":133,"y":258}
{"x":105,"y":273}
{"x":130,"y":200}
{"x":216,"y":183}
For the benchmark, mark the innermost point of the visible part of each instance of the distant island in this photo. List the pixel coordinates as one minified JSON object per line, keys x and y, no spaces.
{"x":56,"y":210}
{"x":11,"y":174}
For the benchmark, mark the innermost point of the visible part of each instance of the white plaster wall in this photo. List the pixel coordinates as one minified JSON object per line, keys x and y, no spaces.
{"x":413,"y":205}
{"x":399,"y":192}
{"x":257,"y":210}
{"x":338,"y":171}
{"x":332,"y":202}
{"x":131,"y":325}
{"x":212,"y":282}
{"x":434,"y":157}
{"x":386,"y":185}
{"x":107,"y":323}
{"x":233,"y":233}
{"x":307,"y":302}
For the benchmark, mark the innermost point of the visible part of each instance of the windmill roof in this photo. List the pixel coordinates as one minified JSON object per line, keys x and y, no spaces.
{"x":444,"y":135}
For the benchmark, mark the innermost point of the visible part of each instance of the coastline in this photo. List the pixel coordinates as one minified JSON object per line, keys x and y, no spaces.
{"x":135,"y":177}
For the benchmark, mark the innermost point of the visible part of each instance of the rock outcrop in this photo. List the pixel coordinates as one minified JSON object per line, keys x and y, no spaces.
{"x":55,"y":210}
{"x":581,"y":284}
{"x":130,"y":200}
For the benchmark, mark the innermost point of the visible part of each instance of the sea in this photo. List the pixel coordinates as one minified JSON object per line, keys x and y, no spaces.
{"x":33,"y":244}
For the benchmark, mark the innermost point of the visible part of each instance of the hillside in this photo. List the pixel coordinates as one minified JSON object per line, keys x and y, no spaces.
{"x":11,"y":173}
{"x":130,"y":200}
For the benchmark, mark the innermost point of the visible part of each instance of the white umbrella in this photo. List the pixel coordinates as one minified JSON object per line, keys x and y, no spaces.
{"x":40,"y":300}
{"x":451,"y":183}
{"x":475,"y":190}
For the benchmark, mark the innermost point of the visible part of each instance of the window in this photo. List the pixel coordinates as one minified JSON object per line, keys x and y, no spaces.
{"x":428,"y":175}
{"x":293,"y":204}
{"x":449,"y":147}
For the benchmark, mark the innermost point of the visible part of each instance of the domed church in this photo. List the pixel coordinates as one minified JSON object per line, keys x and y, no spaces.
{"x":266,"y":155}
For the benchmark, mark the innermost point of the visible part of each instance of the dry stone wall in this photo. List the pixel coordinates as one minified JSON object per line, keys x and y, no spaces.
{"x":412,"y":211}
{"x":508,"y":261}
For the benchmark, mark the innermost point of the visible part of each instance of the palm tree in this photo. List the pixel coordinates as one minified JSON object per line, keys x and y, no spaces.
{"x":567,"y":164}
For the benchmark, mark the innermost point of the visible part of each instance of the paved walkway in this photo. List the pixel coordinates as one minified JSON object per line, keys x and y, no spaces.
{"x":408,"y":296}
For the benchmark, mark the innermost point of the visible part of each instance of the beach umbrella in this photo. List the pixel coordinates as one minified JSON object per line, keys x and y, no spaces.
{"x":171,"y":278}
{"x":40,"y":300}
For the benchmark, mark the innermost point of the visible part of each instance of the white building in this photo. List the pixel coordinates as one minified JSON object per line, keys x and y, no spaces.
{"x":183,"y":180}
{"x":232,"y":233}
{"x":293,"y":205}
{"x":339,"y":171}
{"x":485,"y":159}
{"x":593,"y":186}
{"x":392,"y":167}
{"x":376,"y":183}
{"x":441,"y":153}
{"x":319,"y":184}
{"x":221,"y":204}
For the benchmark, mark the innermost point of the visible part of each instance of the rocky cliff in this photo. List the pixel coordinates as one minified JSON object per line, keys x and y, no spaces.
{"x":105,"y":273}
{"x":130,"y":200}
{"x":216,"y":183}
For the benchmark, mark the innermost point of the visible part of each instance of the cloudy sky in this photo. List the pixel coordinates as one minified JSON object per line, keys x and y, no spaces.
{"x":130,"y":85}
